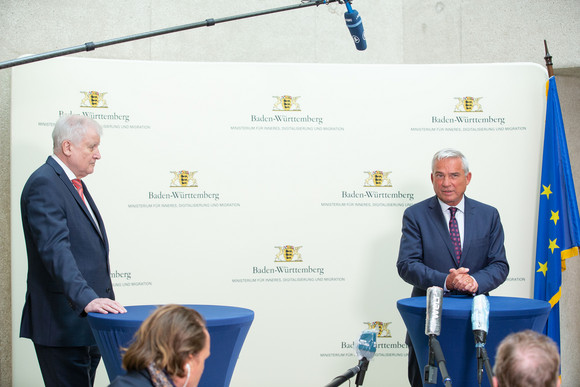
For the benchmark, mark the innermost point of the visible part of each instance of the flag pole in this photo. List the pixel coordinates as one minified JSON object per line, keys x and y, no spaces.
{"x":548,"y":59}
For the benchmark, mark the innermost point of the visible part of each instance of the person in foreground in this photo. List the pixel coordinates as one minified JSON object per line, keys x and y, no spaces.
{"x":68,"y":257}
{"x":169,"y":350}
{"x":527,"y":359}
{"x":450,"y":241}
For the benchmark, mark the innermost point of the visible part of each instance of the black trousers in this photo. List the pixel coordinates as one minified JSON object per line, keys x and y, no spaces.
{"x":415,"y":374}
{"x":68,"y":366}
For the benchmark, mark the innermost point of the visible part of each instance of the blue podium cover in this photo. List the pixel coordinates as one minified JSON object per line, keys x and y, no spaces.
{"x":506,"y":315}
{"x":228,"y":327}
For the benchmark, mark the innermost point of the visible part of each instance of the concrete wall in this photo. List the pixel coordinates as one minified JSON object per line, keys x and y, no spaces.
{"x":397,"y":31}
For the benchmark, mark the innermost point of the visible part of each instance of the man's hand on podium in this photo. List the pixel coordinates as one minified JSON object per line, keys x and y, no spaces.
{"x":460,"y":280}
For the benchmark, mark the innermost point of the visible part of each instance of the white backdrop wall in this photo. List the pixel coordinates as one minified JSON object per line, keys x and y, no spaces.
{"x":262,"y":177}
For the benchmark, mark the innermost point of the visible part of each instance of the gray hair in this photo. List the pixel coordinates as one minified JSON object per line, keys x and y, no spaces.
{"x":72,"y":128}
{"x":449,"y":153}
{"x":526,"y":359}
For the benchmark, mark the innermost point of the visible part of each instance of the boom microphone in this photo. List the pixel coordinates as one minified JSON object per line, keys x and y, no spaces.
{"x":355,"y":26}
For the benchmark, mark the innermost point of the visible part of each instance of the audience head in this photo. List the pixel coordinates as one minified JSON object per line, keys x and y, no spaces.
{"x":527,"y":359}
{"x":173,"y":339}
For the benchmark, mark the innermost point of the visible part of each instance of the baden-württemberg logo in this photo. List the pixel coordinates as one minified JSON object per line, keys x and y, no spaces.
{"x":94,"y":99}
{"x":465,"y":106}
{"x":288,"y":266}
{"x":93,"y":102}
{"x":292,"y":272}
{"x":381,"y":327}
{"x":374,"y":197}
{"x":286,"y":103}
{"x":281,"y":121}
{"x":468,"y":105}
{"x":182,"y":198}
{"x":288,"y":254}
{"x":378,"y":179}
{"x":183,"y":179}
{"x":386,"y":347}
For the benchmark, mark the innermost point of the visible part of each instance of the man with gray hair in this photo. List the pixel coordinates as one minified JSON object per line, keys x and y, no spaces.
{"x":527,"y":359}
{"x":68,"y":257}
{"x":450,"y":241}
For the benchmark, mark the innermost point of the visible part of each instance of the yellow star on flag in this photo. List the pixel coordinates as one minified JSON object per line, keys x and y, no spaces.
{"x":553,"y":245}
{"x":555,"y":216}
{"x":543,"y":268}
{"x":547,"y":191}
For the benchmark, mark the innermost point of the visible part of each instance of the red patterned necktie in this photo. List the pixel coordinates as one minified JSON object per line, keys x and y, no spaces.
{"x":79,"y":186}
{"x":454,"y":231}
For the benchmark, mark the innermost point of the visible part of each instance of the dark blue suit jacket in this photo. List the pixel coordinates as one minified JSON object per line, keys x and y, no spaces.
{"x":426,"y":252}
{"x":68,"y":259}
{"x":133,"y":379}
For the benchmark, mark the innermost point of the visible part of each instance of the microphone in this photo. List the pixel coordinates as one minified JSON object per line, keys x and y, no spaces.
{"x":433,"y":329}
{"x":434,"y":310}
{"x":480,"y":325}
{"x":366,"y":348}
{"x":480,"y":319}
{"x":355,"y":26}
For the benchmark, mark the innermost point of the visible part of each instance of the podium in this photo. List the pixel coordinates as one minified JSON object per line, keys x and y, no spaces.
{"x":228,"y":327}
{"x":506,"y":315}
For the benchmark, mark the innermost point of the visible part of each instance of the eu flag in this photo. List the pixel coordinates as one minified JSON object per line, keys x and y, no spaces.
{"x":558,"y":220}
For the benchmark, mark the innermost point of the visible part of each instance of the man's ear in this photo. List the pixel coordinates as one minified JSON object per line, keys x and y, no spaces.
{"x":65,"y":147}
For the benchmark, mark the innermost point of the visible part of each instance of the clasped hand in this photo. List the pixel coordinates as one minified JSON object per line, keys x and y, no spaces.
{"x":459,"y":280}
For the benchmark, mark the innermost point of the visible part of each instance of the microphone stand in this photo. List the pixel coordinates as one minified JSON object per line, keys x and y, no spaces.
{"x":436,"y":357}
{"x":347,"y":375}
{"x":483,"y":359}
{"x":90,"y":46}
{"x":363,"y":364}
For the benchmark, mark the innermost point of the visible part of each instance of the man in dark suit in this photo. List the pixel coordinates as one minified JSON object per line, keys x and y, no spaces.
{"x":68,"y":257}
{"x":460,"y":249}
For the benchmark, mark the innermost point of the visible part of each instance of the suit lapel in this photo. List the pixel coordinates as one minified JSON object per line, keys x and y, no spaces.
{"x":91,"y":202}
{"x":467,"y":228}
{"x":75,"y":194}
{"x":441,"y":225}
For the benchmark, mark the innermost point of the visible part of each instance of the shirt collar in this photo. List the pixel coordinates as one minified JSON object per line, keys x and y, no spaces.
{"x":66,"y":169}
{"x":460,"y":206}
